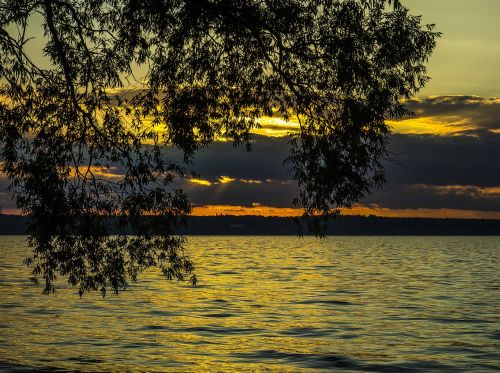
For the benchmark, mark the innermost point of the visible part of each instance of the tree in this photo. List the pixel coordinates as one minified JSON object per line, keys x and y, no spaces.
{"x":213,"y":67}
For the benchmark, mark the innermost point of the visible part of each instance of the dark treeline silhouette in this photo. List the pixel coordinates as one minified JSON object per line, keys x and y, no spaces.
{"x":343,"y":225}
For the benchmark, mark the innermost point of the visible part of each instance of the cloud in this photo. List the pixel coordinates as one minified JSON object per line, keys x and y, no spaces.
{"x":6,"y":202}
{"x":424,"y":196}
{"x":255,"y":209}
{"x":445,"y":160}
{"x":110,"y":173}
{"x":455,"y":171}
{"x":265,"y":161}
{"x":443,"y":171}
{"x":274,"y":193}
{"x":226,"y":179}
{"x":440,"y":115}
{"x":276,"y":127}
{"x":459,"y":111}
{"x":251,"y":181}
{"x":199,"y":181}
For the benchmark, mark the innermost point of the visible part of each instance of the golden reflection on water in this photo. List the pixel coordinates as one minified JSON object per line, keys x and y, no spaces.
{"x":277,"y":303}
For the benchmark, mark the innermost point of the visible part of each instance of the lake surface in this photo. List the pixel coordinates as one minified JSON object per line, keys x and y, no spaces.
{"x":271,"y":303}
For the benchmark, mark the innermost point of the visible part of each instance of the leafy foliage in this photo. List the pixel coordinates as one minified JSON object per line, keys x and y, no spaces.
{"x":213,"y":68}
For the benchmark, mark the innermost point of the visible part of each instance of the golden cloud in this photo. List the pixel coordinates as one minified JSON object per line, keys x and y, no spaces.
{"x":226,"y":179}
{"x":439,"y":125}
{"x":200,"y":182}
{"x":96,"y":171}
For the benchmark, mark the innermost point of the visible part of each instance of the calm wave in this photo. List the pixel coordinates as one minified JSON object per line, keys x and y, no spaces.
{"x":277,"y":303}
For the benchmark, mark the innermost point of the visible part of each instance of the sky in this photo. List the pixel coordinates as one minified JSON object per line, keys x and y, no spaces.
{"x":466,"y":59}
{"x":442,"y":163}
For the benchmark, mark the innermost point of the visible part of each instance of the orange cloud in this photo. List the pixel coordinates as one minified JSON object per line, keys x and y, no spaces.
{"x":259,"y":210}
{"x":255,"y":209}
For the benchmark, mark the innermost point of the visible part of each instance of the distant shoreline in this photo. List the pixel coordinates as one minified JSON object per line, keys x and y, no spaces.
{"x":227,"y":225}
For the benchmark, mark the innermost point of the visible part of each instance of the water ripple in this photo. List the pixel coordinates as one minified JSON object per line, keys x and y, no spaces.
{"x":370,"y":304}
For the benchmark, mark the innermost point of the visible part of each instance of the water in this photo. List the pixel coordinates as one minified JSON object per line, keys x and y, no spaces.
{"x":271,"y":303}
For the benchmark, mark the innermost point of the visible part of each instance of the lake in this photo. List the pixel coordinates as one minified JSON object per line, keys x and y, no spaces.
{"x":385,"y":304}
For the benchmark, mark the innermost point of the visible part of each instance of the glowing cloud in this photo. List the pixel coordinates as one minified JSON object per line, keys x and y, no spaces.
{"x":200,"y":182}
{"x":226,"y":179}
{"x":276,"y":127}
{"x":441,"y":125}
{"x":258,"y":210}
{"x":96,"y":171}
{"x":255,"y":209}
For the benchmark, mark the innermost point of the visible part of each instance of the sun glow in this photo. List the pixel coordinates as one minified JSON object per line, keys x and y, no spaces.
{"x":259,"y":210}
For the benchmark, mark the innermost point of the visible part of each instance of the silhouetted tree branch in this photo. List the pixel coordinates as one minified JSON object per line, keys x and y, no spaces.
{"x":212,"y":69}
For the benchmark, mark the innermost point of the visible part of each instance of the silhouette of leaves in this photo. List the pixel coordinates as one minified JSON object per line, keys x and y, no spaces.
{"x":211,"y":69}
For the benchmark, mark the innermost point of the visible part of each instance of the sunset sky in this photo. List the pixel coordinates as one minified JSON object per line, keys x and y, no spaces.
{"x":443,"y":162}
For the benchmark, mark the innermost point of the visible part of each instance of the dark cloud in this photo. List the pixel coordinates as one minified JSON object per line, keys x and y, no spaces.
{"x":274,"y":193}
{"x":424,"y":171}
{"x":414,"y":159}
{"x":458,"y":171}
{"x":445,"y":160}
{"x":405,"y":196}
{"x":6,"y":201}
{"x":265,"y":161}
{"x":419,"y":168}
